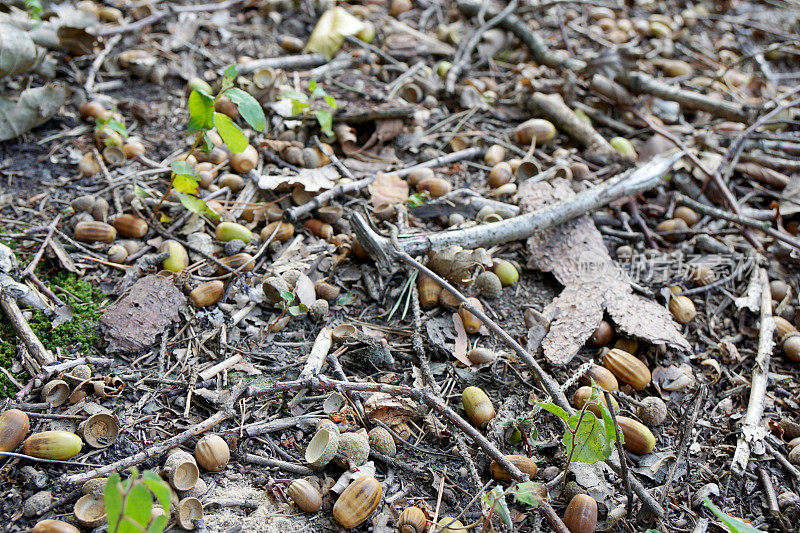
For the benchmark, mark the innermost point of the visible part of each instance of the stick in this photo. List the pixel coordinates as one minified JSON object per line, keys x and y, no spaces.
{"x":683,"y":446}
{"x":752,"y":432}
{"x":286,"y":466}
{"x":626,"y":480}
{"x":98,"y":62}
{"x":35,"y":348}
{"x":172,"y":10}
{"x":298,"y":62}
{"x":156,"y":449}
{"x":639,"y":180}
{"x":295,"y":213}
{"x":219,"y":367}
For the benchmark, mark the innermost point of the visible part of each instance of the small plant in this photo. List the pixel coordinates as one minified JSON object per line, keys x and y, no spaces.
{"x":129,"y":503}
{"x":112,"y":123}
{"x":405,"y":296}
{"x":202,"y":119}
{"x":418,"y":198}
{"x":301,"y":105}
{"x":294,"y":310}
{"x":34,"y":8}
{"x":734,"y":525}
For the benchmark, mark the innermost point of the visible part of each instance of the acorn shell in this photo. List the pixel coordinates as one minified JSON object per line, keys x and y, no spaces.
{"x":322,"y":448}
{"x":358,"y":501}
{"x":100,"y":430}
{"x":412,"y":520}
{"x":382,"y":442}
{"x":189,"y":510}
{"x":355,"y":447}
{"x":60,"y":445}
{"x":305,"y":495}
{"x":212,"y":453}
{"x":581,"y":514}
{"x":478,"y":406}
{"x":181,"y":470}
{"x":524,"y":463}
{"x":479,"y":356}
{"x":14,"y":426}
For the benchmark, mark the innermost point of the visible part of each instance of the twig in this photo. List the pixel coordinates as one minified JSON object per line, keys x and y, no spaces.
{"x":41,"y":460}
{"x":172,"y":10}
{"x":38,"y":256}
{"x":752,"y":432}
{"x":36,"y":349}
{"x":626,"y":480}
{"x":98,"y":62}
{"x":684,"y":444}
{"x":286,"y":466}
{"x":297,"y":62}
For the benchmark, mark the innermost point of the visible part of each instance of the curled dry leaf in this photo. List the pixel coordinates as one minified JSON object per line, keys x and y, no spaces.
{"x":388,"y":189}
{"x":576,"y":255}
{"x":462,"y":342}
{"x":18,"y":52}
{"x":331,"y":29}
{"x":304,"y":288}
{"x":391,"y":410}
{"x":456,"y":264}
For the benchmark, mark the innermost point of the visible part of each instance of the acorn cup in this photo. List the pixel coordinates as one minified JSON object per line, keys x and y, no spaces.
{"x":381,"y":441}
{"x":14,"y":426}
{"x":90,"y":510}
{"x":180,"y":469}
{"x":358,"y":501}
{"x":55,"y":392}
{"x":412,"y":520}
{"x":478,"y":406}
{"x":322,"y":448}
{"x":305,"y":495}
{"x":189,"y":510}
{"x":100,"y":430}
{"x":354,"y":447}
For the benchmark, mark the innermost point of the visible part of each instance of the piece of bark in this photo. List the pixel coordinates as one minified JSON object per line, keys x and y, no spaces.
{"x":575,"y":254}
{"x":133,"y":323}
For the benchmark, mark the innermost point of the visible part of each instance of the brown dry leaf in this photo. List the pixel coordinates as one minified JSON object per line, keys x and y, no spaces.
{"x":574,"y":252}
{"x":455,"y":264}
{"x":462,"y":342}
{"x":388,"y":189}
{"x":391,"y":410}
{"x":764,"y":175}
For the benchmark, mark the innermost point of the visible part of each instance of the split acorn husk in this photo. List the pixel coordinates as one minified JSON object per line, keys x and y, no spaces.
{"x":478,"y":406}
{"x":523,"y":462}
{"x":59,"y":445}
{"x":212,"y":453}
{"x":181,"y":470}
{"x":412,"y":520}
{"x":305,"y":495}
{"x":358,"y":501}
{"x":14,"y":426}
{"x":627,"y":368}
{"x":581,"y":514}
{"x":189,"y":510}
{"x":100,"y":430}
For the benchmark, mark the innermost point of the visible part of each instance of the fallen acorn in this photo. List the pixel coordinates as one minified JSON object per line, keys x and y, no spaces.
{"x":319,"y":228}
{"x":14,"y":426}
{"x":243,"y":261}
{"x":604,"y":378}
{"x":326,"y":291}
{"x":471,"y":322}
{"x":523,"y":462}
{"x":602,"y":335}
{"x":93,"y":231}
{"x":428,"y":291}
{"x":489,"y":285}
{"x":207,"y":294}
{"x":581,"y":514}
{"x":131,"y":226}
{"x":494,"y":154}
{"x":305,"y":495}
{"x":212,"y":453}
{"x":652,"y":411}
{"x":436,"y":187}
{"x":117,"y":253}
{"x":244,"y":161}
{"x":505,"y":272}
{"x":284,"y":232}
{"x":412,"y":520}
{"x":627,"y":368}
{"x":500,"y":174}
{"x":420,"y":174}
{"x":535,"y":128}
{"x":88,"y":165}
{"x":477,"y":405}
{"x":479,"y":356}
{"x":92,"y":109}
{"x":133,"y":148}
{"x":227,"y":231}
{"x":449,"y":524}
{"x":682,"y":308}
{"x":783,"y":326}
{"x":232,"y":181}
{"x":790,"y":343}
{"x":583,"y":394}
{"x":178,"y":258}
{"x":358,"y":501}
{"x":59,"y":445}
{"x":688,"y":215}
{"x":638,"y":438}
{"x":624,"y":147}
{"x":54,"y":526}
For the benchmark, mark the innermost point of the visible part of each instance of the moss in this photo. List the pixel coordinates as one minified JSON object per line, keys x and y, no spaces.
{"x":77,"y":334}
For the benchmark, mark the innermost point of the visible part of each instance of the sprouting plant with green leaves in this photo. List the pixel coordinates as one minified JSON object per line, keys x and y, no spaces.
{"x":34,"y":9}
{"x":734,"y":525}
{"x":287,"y":298}
{"x":405,"y":296}
{"x":302,"y":104}
{"x":129,"y":503}
{"x":494,"y":501}
{"x":418,"y":198}
{"x":202,"y":119}
{"x":110,"y":122}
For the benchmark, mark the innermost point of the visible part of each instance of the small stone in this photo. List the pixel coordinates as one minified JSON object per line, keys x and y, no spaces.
{"x":234,"y":246}
{"x":36,"y":503}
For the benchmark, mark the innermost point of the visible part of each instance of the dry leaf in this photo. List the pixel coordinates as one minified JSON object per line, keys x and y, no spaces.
{"x":33,"y":108}
{"x":391,"y":410}
{"x":304,"y":289}
{"x":576,"y":255}
{"x":331,"y":29}
{"x":456,"y":264}
{"x":790,"y":204}
{"x":388,"y":189}
{"x":18,"y":53}
{"x":462,"y":342}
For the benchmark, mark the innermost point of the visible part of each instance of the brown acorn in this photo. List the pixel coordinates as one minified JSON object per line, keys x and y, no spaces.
{"x":319,"y":228}
{"x":638,"y":439}
{"x":682,"y":308}
{"x":778,"y":289}
{"x":687,"y":215}
{"x":478,"y":406}
{"x":208,"y":293}
{"x":627,"y":368}
{"x":790,"y":343}
{"x":428,"y":291}
{"x":358,"y":501}
{"x":500,"y":175}
{"x":232,"y":181}
{"x":131,"y":226}
{"x":284,"y":233}
{"x":226,"y":107}
{"x":92,"y":109}
{"x":494,"y":154}
{"x":236,"y":262}
{"x":581,"y":397}
{"x":245,"y":161}
{"x":448,"y":300}
{"x":602,"y":335}
{"x":54,"y":526}
{"x":326,"y":291}
{"x":14,"y":426}
{"x":523,"y":462}
{"x":420,"y":174}
{"x":305,"y":495}
{"x":783,"y":326}
{"x":670,"y":225}
{"x":212,"y":453}
{"x":436,"y":187}
{"x":602,"y":376}
{"x":94,"y":232}
{"x":471,"y":323}
{"x":581,"y":514}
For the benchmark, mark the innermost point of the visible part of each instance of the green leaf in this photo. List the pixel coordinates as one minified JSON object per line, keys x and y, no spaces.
{"x":586,"y":442}
{"x":201,"y":112}
{"x":158,"y":487}
{"x":118,"y":126}
{"x":312,"y":87}
{"x":249,"y":108}
{"x":325,"y":120}
{"x":140,"y":192}
{"x":495,"y":499}
{"x":231,"y":72}
{"x":556,"y":410}
{"x":113,"y":500}
{"x":527,"y":493}
{"x":182,"y":167}
{"x":231,"y":134}
{"x":330,"y":100}
{"x":346,"y":299}
{"x":185,"y":183}
{"x":138,"y":504}
{"x":158,"y":525}
{"x":288,"y":296}
{"x":297,"y":310}
{"x":197,"y":205}
{"x":735,"y":525}
{"x":208,"y":144}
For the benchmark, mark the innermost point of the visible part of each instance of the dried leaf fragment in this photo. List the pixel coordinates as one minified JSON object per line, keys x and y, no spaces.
{"x":388,"y":189}
{"x":455,"y":264}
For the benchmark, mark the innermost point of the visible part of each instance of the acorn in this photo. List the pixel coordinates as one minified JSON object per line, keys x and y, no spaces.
{"x":398,"y":7}
{"x":480,"y":356}
{"x":100,"y":209}
{"x":232,"y":181}
{"x":326,"y":291}
{"x":381,"y":441}
{"x":93,"y":231}
{"x":420,"y":174}
{"x":436,"y":187}
{"x":106,"y":136}
{"x":92,"y":109}
{"x":478,"y":406}
{"x":638,"y":439}
{"x":602,"y":335}
{"x":319,"y":228}
{"x":330,"y":214}
{"x":412,"y":520}
{"x":582,"y":396}
{"x":627,"y":345}
{"x":358,"y":501}
{"x":290,"y":43}
{"x":178,"y":259}
{"x":284,"y":233}
{"x":581,"y":514}
{"x":133,"y":148}
{"x":117,"y":253}
{"x":494,"y":154}
{"x":355,"y":447}
{"x":453,"y":525}
{"x":783,"y":326}
{"x":199,"y":84}
{"x":624,"y":147}
{"x":524,"y":463}
{"x":236,"y":262}
{"x":207,"y":293}
{"x":88,"y":165}
{"x":701,"y":275}
{"x":428,"y":291}
{"x":505,"y":271}
{"x":670,"y":225}
{"x":54,"y":526}
{"x":60,"y":445}
{"x":627,"y":368}
{"x":507,"y":189}
{"x":652,"y":411}
{"x":500,"y":174}
{"x":682,"y":308}
{"x":448,"y":300}
{"x":318,"y":310}
{"x":686,"y":214}
{"x":790,"y":343}
{"x":535,"y":128}
{"x":212,"y":453}
{"x":305,"y":495}
{"x":602,"y":377}
{"x":245,"y":161}
{"x":471,"y":323}
{"x":181,"y":470}
{"x":226,"y":107}
{"x":189,"y":510}
{"x":322,"y":448}
{"x":131,"y":226}
{"x":14,"y":426}
{"x":227,"y":231}
{"x":779,"y":289}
